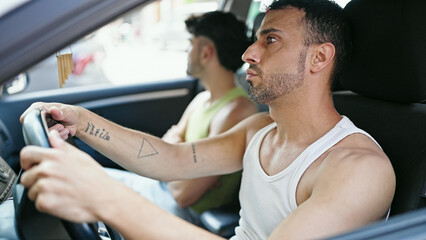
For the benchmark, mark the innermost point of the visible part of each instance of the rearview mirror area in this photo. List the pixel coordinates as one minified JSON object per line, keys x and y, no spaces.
{"x":15,"y":85}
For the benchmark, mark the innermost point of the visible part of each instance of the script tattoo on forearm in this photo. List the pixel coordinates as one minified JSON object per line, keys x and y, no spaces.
{"x":97,"y":132}
{"x":147,"y":149}
{"x":194,"y":155}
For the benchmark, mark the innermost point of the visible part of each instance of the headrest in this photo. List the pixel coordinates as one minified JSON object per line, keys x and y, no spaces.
{"x":389,"y":55}
{"x":256,"y":24}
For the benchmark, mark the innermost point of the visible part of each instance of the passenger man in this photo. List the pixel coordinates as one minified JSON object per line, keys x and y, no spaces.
{"x":308,"y":171}
{"x":218,"y":40}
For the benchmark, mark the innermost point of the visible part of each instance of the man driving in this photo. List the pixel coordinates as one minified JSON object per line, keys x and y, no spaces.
{"x":308,"y":172}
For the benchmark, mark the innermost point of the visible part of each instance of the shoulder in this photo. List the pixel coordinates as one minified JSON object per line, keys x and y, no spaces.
{"x":248,"y":127}
{"x":198,"y":101}
{"x":239,"y":108}
{"x":358,"y":151}
{"x":231,"y":114}
{"x":352,"y":185}
{"x":201,"y":98}
{"x":349,"y":159}
{"x":357,"y":169}
{"x":256,"y":122}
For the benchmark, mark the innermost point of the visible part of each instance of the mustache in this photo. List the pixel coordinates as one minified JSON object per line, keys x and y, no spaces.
{"x":256,"y":69}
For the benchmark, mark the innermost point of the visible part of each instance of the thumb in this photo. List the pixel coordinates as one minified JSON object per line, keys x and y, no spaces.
{"x":56,"y":141}
{"x":56,"y":113}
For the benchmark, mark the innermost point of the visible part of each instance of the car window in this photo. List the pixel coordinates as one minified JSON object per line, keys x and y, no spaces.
{"x":342,"y":3}
{"x":145,"y":45}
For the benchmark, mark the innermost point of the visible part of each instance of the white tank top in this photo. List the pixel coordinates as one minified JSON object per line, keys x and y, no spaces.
{"x":267,"y":200}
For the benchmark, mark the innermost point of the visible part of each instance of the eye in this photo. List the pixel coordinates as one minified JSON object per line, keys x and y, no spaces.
{"x":270,"y":39}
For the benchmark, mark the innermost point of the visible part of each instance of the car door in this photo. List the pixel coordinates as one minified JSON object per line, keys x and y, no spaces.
{"x":138,"y":101}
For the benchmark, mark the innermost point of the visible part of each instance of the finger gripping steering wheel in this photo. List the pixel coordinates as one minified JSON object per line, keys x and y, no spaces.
{"x":30,"y":223}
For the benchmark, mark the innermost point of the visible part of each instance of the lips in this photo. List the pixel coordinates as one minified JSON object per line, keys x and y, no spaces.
{"x":250,"y":73}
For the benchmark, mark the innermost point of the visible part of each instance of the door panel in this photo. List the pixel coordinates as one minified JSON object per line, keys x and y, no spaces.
{"x":150,"y":107}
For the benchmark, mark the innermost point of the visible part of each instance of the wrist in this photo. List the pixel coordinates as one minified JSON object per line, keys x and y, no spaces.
{"x":81,"y":121}
{"x":114,"y":210}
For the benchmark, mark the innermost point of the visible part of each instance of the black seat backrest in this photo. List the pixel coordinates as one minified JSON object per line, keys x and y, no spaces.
{"x":387,"y":82}
{"x":256,"y":24}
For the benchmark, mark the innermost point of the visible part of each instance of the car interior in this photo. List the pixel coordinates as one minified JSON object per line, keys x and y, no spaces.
{"x":382,"y":90}
{"x":31,"y":223}
{"x":387,"y":83}
{"x":385,"y":94}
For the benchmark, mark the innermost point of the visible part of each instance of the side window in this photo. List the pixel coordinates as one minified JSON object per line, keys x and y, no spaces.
{"x":254,"y":10}
{"x":342,"y":3}
{"x":145,"y":45}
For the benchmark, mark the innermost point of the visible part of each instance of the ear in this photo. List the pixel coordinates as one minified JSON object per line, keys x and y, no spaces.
{"x":207,"y":52}
{"x":322,"y":56}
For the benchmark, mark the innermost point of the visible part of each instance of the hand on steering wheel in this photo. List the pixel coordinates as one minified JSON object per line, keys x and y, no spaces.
{"x":61,"y":117}
{"x":61,"y":180}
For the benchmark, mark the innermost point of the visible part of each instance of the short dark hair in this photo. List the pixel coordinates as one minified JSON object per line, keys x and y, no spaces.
{"x":228,"y":34}
{"x":324,"y":21}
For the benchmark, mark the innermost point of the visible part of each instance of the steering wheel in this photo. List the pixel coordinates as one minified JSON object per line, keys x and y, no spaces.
{"x":30,"y":223}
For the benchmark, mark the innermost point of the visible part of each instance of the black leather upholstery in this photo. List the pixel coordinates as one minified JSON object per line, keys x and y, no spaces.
{"x":389,"y":59}
{"x":387,"y":83}
{"x":221,"y":221}
{"x":256,"y":25}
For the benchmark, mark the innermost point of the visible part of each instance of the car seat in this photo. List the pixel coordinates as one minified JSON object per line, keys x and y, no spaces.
{"x":386,"y":88}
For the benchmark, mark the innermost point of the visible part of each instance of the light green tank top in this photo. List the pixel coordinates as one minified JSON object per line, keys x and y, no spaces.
{"x":198,"y":128}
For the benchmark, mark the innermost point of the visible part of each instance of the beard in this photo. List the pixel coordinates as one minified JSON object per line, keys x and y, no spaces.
{"x":194,"y":68}
{"x":277,"y":84}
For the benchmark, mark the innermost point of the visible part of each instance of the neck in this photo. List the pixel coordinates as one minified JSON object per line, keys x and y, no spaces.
{"x":304,"y":119}
{"x":218,"y":83}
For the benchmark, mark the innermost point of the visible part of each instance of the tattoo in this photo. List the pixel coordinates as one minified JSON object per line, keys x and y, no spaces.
{"x":194,"y":155}
{"x":146,"y":149}
{"x":92,"y":130}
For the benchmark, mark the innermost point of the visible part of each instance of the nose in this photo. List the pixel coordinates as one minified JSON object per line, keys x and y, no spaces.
{"x":251,"y":55}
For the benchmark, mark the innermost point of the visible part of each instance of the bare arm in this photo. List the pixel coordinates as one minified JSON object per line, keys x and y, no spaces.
{"x":188,"y":192}
{"x":353,"y":187}
{"x":59,"y":187}
{"x":148,"y":155}
{"x":152,"y":157}
{"x":148,"y":221}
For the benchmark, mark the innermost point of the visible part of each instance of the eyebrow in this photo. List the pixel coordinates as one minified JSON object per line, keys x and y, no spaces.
{"x":266,"y":31}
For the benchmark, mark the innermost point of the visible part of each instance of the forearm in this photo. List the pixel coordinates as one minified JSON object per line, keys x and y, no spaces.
{"x":137,"y":218}
{"x":152,"y":157}
{"x":139,"y":152}
{"x":188,"y":192}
